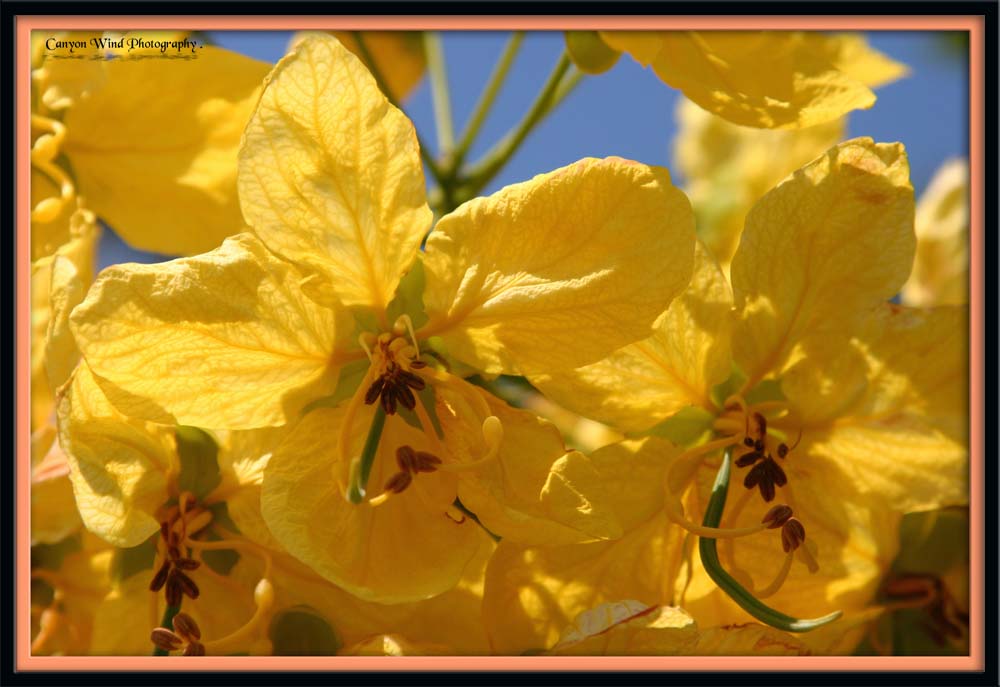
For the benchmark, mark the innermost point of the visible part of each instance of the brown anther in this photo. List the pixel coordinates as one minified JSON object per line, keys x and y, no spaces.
{"x":374,"y":390}
{"x":398,"y":482}
{"x":759,"y":446}
{"x":165,"y":529}
{"x":406,"y":458}
{"x":173,"y":552}
{"x":160,"y":578}
{"x":417,"y":365}
{"x":406,"y":397}
{"x":388,"y":399}
{"x":792,"y":535}
{"x":782,"y":450}
{"x":411,"y":380}
{"x":748,"y":442}
{"x":187,"y":584}
{"x":173,"y":592}
{"x":426,"y":462}
{"x":761,"y":425}
{"x":748,"y":459}
{"x":777,"y":516}
{"x":186,"y":627}
{"x":778,"y":475}
{"x":187,"y":563}
{"x":164,"y":639}
{"x":194,"y":649}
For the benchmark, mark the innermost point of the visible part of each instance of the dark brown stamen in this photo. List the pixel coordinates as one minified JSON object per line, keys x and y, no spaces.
{"x":761,"y":425}
{"x":777,"y":516}
{"x":406,"y":458}
{"x":782,"y":450}
{"x":173,"y":552}
{"x":194,"y":649}
{"x":187,"y":585}
{"x":426,"y":462}
{"x":187,"y":564}
{"x":748,"y":459}
{"x":164,"y":639}
{"x":389,"y":400}
{"x":411,"y":380}
{"x":748,"y":442}
{"x":186,"y":627}
{"x":374,"y":390}
{"x":173,"y":592}
{"x":417,"y":365}
{"x":792,"y":535}
{"x":160,"y":578}
{"x":406,"y":397}
{"x":398,"y":482}
{"x":759,"y":446}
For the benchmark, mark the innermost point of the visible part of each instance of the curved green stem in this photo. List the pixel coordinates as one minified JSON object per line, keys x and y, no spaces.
{"x":486,"y":100}
{"x":710,"y":559}
{"x":359,"y":478}
{"x":369,"y":61}
{"x":439,"y":92}
{"x":498,"y":156}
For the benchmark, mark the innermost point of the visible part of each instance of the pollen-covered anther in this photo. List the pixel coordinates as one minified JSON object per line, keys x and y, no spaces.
{"x":792,"y":535}
{"x":777,"y":516}
{"x":395,"y":387}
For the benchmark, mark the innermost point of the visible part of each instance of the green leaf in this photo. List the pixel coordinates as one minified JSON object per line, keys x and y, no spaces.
{"x":198,"y":454}
{"x":301,"y":631}
{"x":127,"y":562}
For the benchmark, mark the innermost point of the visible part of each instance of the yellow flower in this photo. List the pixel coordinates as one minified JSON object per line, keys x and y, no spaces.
{"x":851,"y":408}
{"x":150,"y":144}
{"x":555,"y":272}
{"x":728,"y":168}
{"x":765,"y":79}
{"x":941,"y":269}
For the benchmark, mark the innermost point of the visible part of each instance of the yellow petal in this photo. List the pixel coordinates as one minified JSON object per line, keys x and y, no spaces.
{"x":60,"y":83}
{"x":901,"y":433}
{"x":403,"y":550}
{"x":532,"y":594}
{"x":396,"y":645}
{"x":330,"y":174}
{"x":646,"y":382}
{"x":537,"y":492}
{"x":729,"y":168}
{"x":398,"y":55}
{"x":851,"y":54}
{"x":226,"y":339}
{"x":748,"y":640}
{"x":628,"y":628}
{"x":154,"y":150}
{"x":855,"y":535}
{"x":941,"y":269}
{"x":770,"y":79}
{"x":118,"y":465}
{"x":559,"y":271}
{"x":832,"y":240}
{"x":54,"y":515}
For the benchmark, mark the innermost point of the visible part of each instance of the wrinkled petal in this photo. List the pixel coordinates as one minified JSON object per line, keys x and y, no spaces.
{"x":646,"y":382}
{"x":832,"y":240}
{"x":154,"y":149}
{"x":398,"y":55}
{"x":537,"y":492}
{"x":629,"y":628}
{"x":901,"y":429}
{"x":769,"y":79}
{"x":941,"y":268}
{"x":118,"y":465}
{"x":852,"y":55}
{"x":330,"y":175}
{"x":559,"y":271}
{"x":403,"y":550}
{"x":221,"y":340}
{"x":728,"y":168}
{"x":54,"y":515}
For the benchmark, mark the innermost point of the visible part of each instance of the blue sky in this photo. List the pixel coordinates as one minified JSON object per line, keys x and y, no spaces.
{"x":629,"y":112}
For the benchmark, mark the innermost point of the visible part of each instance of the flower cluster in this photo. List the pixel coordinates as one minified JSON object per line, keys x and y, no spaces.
{"x":349,"y":419}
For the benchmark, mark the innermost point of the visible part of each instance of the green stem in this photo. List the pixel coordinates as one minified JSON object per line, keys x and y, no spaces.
{"x":710,"y":559}
{"x":359,"y":480}
{"x":167,"y":622}
{"x":366,"y":56}
{"x":439,"y":92}
{"x":486,"y":100}
{"x":498,"y":156}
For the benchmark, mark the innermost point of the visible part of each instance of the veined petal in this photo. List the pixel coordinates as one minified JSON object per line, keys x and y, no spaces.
{"x":830,"y":241}
{"x":559,"y":271}
{"x":768,"y":79}
{"x":901,"y":435}
{"x":406,"y":549}
{"x":728,"y":168}
{"x":330,"y":174}
{"x":629,"y":628}
{"x":537,"y":492}
{"x":54,"y":513}
{"x":941,"y":268}
{"x":644,"y":383}
{"x":221,"y":340}
{"x":154,"y":149}
{"x":118,"y":465}
{"x":532,"y":594}
{"x":398,"y":55}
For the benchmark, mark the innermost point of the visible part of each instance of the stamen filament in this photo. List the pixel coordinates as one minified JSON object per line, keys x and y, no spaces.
{"x":361,"y":468}
{"x":493,"y":435}
{"x":263,"y":597}
{"x":779,"y":579}
{"x":427,"y":426}
{"x":347,"y":425}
